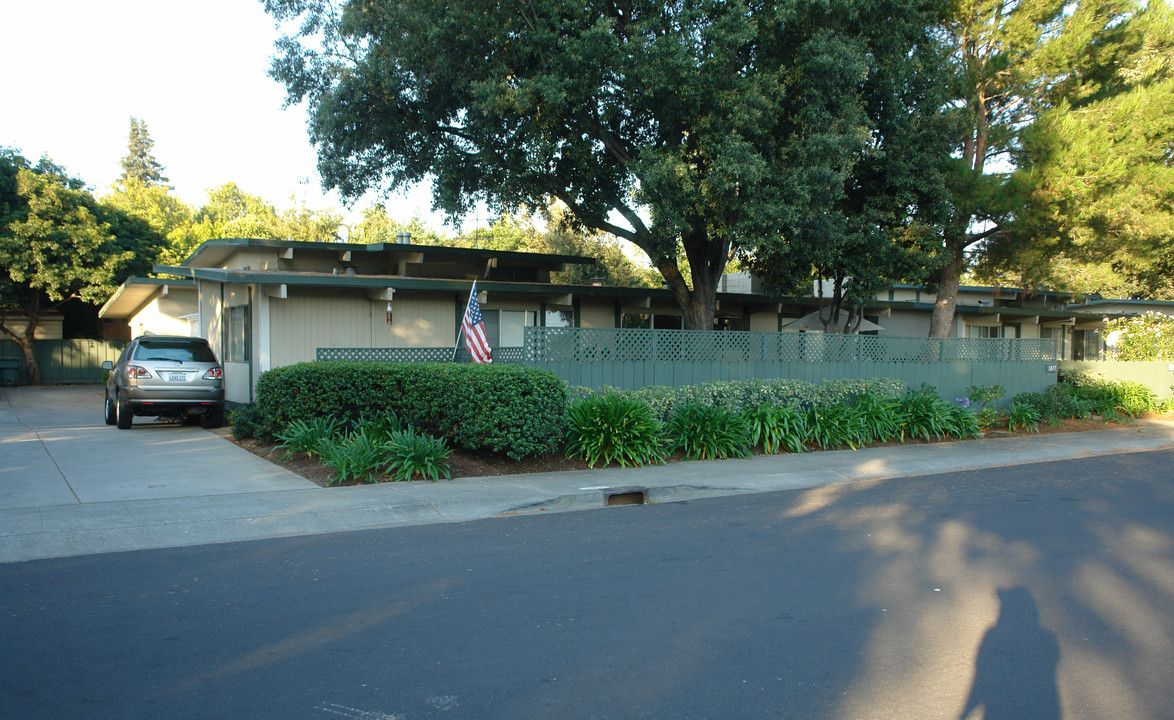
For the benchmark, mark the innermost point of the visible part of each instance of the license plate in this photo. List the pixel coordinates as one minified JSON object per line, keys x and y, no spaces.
{"x":176,"y":377}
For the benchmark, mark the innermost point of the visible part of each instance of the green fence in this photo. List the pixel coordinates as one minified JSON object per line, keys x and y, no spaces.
{"x":63,"y":362}
{"x":1158,"y":375}
{"x":633,"y":359}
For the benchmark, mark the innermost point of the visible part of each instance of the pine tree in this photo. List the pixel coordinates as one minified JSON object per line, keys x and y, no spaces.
{"x":139,"y":164}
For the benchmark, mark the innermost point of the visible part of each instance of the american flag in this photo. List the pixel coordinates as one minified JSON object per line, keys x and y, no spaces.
{"x":474,"y":328}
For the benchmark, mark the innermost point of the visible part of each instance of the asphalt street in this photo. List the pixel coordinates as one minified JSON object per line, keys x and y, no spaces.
{"x":71,"y":485}
{"x":1040,"y":591}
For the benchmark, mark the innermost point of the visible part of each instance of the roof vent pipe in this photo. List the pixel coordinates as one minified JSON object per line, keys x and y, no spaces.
{"x":403,"y":238}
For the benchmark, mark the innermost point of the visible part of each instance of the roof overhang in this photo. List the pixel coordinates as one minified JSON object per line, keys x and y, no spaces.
{"x":136,"y":293}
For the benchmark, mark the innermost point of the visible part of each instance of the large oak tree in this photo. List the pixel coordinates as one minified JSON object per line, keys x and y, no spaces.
{"x":695,"y":128}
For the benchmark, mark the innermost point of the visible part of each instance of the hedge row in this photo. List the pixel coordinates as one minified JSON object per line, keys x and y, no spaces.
{"x":740,"y":395}
{"x":510,"y":409}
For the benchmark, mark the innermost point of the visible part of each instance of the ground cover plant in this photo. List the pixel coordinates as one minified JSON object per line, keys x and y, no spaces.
{"x":612,"y":428}
{"x":709,"y":421}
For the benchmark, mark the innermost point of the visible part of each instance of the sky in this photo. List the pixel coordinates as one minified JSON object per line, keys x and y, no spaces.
{"x":76,"y":71}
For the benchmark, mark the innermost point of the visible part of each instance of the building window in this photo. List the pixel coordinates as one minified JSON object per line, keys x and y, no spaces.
{"x":993,"y":331}
{"x":560,"y":318}
{"x":507,"y":328}
{"x":238,"y":334}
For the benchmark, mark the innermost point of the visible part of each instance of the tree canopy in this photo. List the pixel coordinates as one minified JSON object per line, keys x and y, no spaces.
{"x":57,"y":243}
{"x":140,"y":165}
{"x":697,"y":128}
{"x":1096,"y":171}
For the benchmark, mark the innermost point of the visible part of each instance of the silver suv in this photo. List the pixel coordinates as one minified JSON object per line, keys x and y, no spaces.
{"x":165,"y":376}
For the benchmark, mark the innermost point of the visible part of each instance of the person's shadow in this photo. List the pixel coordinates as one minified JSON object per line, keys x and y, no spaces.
{"x":1015,"y":673}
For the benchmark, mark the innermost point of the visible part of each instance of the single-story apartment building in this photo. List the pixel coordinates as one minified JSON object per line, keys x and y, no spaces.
{"x":269,"y":303}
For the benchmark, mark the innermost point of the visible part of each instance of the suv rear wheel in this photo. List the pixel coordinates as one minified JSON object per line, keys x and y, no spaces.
{"x":124,"y":416}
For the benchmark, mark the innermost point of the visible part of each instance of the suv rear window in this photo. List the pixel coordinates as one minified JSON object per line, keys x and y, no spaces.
{"x":176,"y":350}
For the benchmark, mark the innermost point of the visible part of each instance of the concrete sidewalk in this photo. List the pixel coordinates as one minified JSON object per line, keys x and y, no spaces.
{"x":70,"y":485}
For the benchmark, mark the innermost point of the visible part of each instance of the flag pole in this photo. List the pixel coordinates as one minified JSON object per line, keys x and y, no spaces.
{"x":461,"y":327}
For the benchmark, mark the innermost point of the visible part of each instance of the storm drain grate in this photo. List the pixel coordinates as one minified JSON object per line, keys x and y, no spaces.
{"x":625,"y":496}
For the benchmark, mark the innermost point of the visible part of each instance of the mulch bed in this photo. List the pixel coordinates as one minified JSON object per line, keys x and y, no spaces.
{"x":468,"y":464}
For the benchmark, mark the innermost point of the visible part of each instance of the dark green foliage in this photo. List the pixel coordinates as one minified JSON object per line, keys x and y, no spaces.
{"x":881,"y":418}
{"x":245,"y":420}
{"x":305,"y":436}
{"x":1134,"y":398}
{"x":740,"y":395}
{"x":411,"y":454}
{"x":139,"y":164}
{"x":613,"y":428}
{"x":710,"y":127}
{"x":1024,"y":415}
{"x":960,"y":423}
{"x":509,"y":409}
{"x":926,"y":415}
{"x":356,"y":455}
{"x":385,"y":425}
{"x":1083,"y":395}
{"x":777,"y":428}
{"x":709,"y":433}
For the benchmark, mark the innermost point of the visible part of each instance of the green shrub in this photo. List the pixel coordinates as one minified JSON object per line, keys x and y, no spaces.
{"x":411,"y":454}
{"x":926,"y":415}
{"x":960,"y":423}
{"x":306,"y":435}
{"x":776,"y":428}
{"x":835,"y":425}
{"x":355,"y":455}
{"x":614,"y":428}
{"x":1023,"y":414}
{"x":1134,"y":398}
{"x":707,"y":432}
{"x":984,"y":396}
{"x":881,"y":418}
{"x":510,"y":409}
{"x":246,"y":420}
{"x":740,"y":395}
{"x":383,"y":425}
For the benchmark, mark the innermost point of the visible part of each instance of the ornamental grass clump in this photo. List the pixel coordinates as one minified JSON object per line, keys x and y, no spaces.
{"x":356,"y":455}
{"x":614,"y":428}
{"x":709,"y":433}
{"x":880,"y":418}
{"x":926,"y":415}
{"x":777,"y":429}
{"x":412,"y":454}
{"x":1023,"y":415}
{"x":306,"y":436}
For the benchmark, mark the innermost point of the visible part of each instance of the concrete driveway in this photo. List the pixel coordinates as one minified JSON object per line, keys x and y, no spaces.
{"x":55,"y":449}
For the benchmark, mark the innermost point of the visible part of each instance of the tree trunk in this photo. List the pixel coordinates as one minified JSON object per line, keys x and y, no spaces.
{"x":27,"y":342}
{"x":941,"y":322}
{"x":707,"y":261}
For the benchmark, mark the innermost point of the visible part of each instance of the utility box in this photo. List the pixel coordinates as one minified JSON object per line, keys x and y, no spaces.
{"x":9,"y":372}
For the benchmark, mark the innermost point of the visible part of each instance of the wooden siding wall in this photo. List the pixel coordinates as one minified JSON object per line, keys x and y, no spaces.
{"x":305,"y":321}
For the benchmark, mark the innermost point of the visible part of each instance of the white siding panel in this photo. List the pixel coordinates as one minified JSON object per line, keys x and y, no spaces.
{"x":905,"y":324}
{"x":305,"y":321}
{"x":597,"y":314}
{"x":764,"y":322}
{"x":419,"y":320}
{"x":308,"y":320}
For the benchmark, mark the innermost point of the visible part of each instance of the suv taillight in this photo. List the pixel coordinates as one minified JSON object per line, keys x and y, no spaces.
{"x":214,"y":374}
{"x":134,"y":371}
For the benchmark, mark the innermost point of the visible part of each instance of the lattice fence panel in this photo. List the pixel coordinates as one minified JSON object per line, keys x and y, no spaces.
{"x":505,"y":355}
{"x":579,"y":345}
